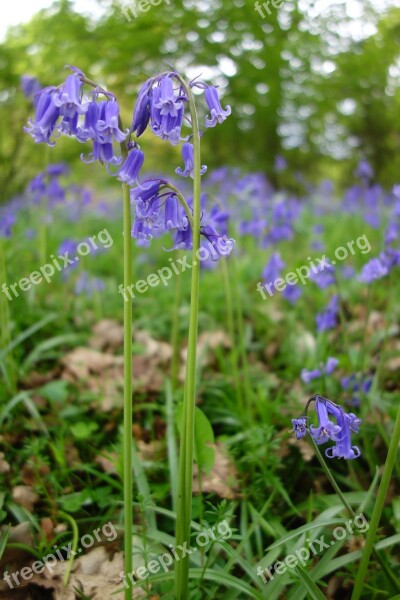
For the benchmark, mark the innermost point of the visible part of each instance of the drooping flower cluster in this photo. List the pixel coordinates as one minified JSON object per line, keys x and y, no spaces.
{"x":65,"y":110}
{"x":333,"y":424}
{"x":158,"y":208}
{"x":95,"y":117}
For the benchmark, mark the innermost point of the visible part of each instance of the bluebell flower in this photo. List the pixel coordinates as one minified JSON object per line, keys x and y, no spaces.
{"x":324,"y":369}
{"x":88,"y":130}
{"x":165,"y":100}
{"x":103,"y":153}
{"x":326,"y":429}
{"x":7,"y":220}
{"x":328,"y":318}
{"x":30,"y":86}
{"x":46,"y":117}
{"x":217,"y":113}
{"x":364,"y":170}
{"x":343,"y":448}
{"x":292,"y":293}
{"x":273,"y":268}
{"x":58,"y":169}
{"x":108,"y":123}
{"x":333,"y":424}
{"x":300,"y":427}
{"x":129,"y":171}
{"x":88,"y":285}
{"x":355,"y":386}
{"x":68,"y":98}
{"x":280,"y":163}
{"x":374,"y":269}
{"x":188,"y":161}
{"x":141,"y":113}
{"x":324,"y":276}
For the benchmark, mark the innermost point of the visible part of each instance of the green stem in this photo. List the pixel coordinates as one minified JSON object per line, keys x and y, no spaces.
{"x":127,"y":431}
{"x":378,"y":508}
{"x":332,"y":479}
{"x":75,"y":539}
{"x":185,"y":485}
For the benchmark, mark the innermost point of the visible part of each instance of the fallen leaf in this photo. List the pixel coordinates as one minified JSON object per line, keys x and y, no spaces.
{"x":25,"y":496}
{"x":107,"y":334}
{"x":222,"y":480}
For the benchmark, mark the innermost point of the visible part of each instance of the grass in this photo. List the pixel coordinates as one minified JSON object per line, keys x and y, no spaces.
{"x":55,"y":431}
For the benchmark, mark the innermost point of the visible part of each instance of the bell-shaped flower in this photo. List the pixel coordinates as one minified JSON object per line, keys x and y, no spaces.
{"x":218,"y":114}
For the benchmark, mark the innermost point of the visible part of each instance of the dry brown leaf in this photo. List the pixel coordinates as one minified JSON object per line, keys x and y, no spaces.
{"x":393,"y":364}
{"x":149,"y":451}
{"x":4,"y":466}
{"x":222,"y":480}
{"x":158,"y":350}
{"x":25,"y":496}
{"x":107,"y":334}
{"x":82,"y":361}
{"x":94,"y":574}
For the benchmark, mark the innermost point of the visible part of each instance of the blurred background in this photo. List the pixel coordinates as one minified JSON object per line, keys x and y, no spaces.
{"x":315,"y":82}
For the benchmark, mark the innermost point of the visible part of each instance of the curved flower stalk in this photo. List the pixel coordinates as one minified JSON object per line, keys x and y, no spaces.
{"x":338,"y":430}
{"x":159,"y":207}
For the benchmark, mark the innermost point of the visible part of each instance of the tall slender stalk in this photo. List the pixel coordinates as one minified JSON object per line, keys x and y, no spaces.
{"x":127,"y":428}
{"x":378,"y":508}
{"x":185,"y":484}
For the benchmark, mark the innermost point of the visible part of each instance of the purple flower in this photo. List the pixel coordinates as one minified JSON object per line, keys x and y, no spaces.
{"x":129,"y":172}
{"x":108,"y":123}
{"x":374,"y":269}
{"x":218,"y":114}
{"x":333,"y":424}
{"x":188,"y":161}
{"x":166,"y":111}
{"x":103,"y":153}
{"x":327,"y":319}
{"x":324,"y":277}
{"x":326,"y":429}
{"x":343,"y":448}
{"x":280,"y":163}
{"x":324,"y":369}
{"x":273,"y":268}
{"x":30,"y":86}
{"x":307,"y":376}
{"x":6,"y":223}
{"x":88,"y":130}
{"x":364,"y":170}
{"x":88,"y":285}
{"x":46,"y":117}
{"x":141,"y":113}
{"x":68,"y":97}
{"x":300,"y":427}
{"x":292,"y":293}
{"x":166,"y":101}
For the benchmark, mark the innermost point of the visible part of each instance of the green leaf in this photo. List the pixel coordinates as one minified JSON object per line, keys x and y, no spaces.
{"x":313,"y":591}
{"x":4,"y":539}
{"x":204,"y":453}
{"x":55,"y":391}
{"x":83,"y":431}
